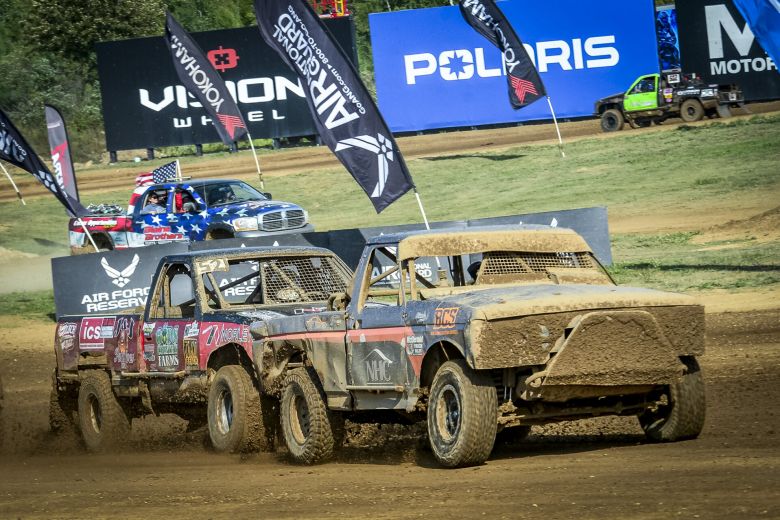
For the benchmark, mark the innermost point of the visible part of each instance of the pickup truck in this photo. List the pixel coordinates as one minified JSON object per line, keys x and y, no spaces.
{"x":653,"y":98}
{"x":189,"y":352}
{"x":515,"y":327}
{"x":190,"y":211}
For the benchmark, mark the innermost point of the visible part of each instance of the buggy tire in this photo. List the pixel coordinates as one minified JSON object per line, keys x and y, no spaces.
{"x":612,"y":120}
{"x":683,"y":415}
{"x":102,"y":420}
{"x":691,"y":111}
{"x":234,"y":413}
{"x":307,"y":426}
{"x":462,"y":415}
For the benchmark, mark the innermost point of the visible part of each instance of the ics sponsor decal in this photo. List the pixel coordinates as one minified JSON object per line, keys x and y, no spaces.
{"x":94,"y":331}
{"x":445,"y":320}
{"x":167,"y":339}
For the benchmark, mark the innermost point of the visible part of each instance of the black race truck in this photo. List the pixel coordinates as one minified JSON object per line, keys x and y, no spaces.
{"x":654,"y":98}
{"x":479,"y":333}
{"x":189,"y":352}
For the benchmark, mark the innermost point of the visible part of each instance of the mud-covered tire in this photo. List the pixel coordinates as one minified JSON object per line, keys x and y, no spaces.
{"x":62,"y":407}
{"x":235,"y":417}
{"x":462,"y":415}
{"x":102,"y":420}
{"x":612,"y":120}
{"x":682,"y":416}
{"x":691,"y":110}
{"x":307,"y":426}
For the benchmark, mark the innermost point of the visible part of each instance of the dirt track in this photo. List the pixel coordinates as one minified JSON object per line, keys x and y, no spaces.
{"x":600,"y":468}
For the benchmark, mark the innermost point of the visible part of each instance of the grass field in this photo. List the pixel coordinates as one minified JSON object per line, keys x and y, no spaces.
{"x":691,"y":170}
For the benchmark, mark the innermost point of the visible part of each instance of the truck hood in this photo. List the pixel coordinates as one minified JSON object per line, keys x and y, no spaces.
{"x":510,"y":301}
{"x":254,"y":207}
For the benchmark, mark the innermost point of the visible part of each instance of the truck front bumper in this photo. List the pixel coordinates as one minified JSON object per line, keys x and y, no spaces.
{"x":308,"y":228}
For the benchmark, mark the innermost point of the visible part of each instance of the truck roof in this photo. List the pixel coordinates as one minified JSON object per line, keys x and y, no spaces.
{"x":233,"y":252}
{"x":455,"y":241}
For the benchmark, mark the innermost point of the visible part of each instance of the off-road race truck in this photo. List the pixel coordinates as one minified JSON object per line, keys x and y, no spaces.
{"x":189,"y":352}
{"x":520,"y":327}
{"x":194,"y":210}
{"x":654,"y":98}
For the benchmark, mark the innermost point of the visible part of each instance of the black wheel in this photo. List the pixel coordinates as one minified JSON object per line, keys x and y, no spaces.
{"x":307,"y":426}
{"x":681,"y":413}
{"x":103,"y":422}
{"x":462,"y":415}
{"x":234,"y":413}
{"x":691,"y":110}
{"x":63,"y":406}
{"x":612,"y":120}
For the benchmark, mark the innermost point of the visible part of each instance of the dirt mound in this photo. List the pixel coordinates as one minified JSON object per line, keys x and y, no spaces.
{"x":764,"y":227}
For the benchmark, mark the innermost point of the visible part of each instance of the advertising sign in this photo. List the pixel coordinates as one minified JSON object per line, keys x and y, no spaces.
{"x":434,"y":71}
{"x":717,"y":44}
{"x":668,"y":37}
{"x":145,"y":105}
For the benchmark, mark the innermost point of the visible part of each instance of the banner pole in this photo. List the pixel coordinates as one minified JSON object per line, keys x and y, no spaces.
{"x":89,"y":235}
{"x":18,"y":193}
{"x":178,"y":171}
{"x":560,"y":141}
{"x":257,"y":162}
{"x":422,"y":210}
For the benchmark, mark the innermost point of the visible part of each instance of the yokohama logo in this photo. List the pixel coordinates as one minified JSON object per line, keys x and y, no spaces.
{"x":231,"y":123}
{"x":522,"y":87}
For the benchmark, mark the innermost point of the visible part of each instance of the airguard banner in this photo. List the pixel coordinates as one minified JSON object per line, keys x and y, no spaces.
{"x":15,"y":150}
{"x":346,"y":117}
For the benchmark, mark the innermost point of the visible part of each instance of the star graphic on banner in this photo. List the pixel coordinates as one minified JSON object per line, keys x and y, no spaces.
{"x":186,"y":215}
{"x":241,"y":212}
{"x":156,"y":220}
{"x":204,"y":213}
{"x":180,"y":229}
{"x":196,"y":228}
{"x":223,"y":212}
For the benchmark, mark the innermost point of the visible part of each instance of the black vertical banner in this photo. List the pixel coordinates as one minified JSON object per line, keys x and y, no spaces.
{"x":15,"y":150}
{"x":60,"y":152}
{"x":200,"y":78}
{"x":344,"y":113}
{"x":525,"y":85}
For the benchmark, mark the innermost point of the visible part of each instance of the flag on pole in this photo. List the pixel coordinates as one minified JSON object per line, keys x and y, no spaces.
{"x":763,"y":18}
{"x":60,"y":152}
{"x":15,"y":150}
{"x":344,"y":113}
{"x":205,"y":83}
{"x":165,"y":173}
{"x":525,"y":85}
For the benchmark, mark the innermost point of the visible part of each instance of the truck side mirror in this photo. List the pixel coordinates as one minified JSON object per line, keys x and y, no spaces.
{"x":267,"y":195}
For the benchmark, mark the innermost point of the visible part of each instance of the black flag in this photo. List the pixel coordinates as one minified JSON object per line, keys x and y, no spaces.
{"x":15,"y":150}
{"x":347,"y":119}
{"x":60,"y":152}
{"x":200,"y":78}
{"x":525,"y":85}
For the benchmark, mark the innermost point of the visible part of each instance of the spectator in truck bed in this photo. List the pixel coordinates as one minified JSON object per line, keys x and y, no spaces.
{"x":154,"y":204}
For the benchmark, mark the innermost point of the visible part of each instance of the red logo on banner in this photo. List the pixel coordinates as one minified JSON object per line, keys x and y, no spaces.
{"x":231,"y":123}
{"x":522,"y":87}
{"x":223,"y":59}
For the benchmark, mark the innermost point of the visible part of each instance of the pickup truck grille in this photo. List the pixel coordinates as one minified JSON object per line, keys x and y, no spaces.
{"x":279,"y":220}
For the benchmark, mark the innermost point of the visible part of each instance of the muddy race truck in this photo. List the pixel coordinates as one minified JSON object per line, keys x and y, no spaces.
{"x":189,"y":351}
{"x":190,"y":211}
{"x":654,"y":98}
{"x":482,"y":333}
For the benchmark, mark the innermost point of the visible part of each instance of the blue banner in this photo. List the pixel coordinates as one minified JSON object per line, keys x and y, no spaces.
{"x":668,"y":39}
{"x":434,"y":71}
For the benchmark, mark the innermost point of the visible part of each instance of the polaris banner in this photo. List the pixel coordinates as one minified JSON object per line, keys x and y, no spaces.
{"x":347,"y":119}
{"x":434,"y":71}
{"x":145,"y":105}
{"x":100,"y":283}
{"x":717,"y":44}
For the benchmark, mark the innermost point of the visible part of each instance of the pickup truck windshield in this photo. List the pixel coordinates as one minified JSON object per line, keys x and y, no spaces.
{"x":229,"y":192}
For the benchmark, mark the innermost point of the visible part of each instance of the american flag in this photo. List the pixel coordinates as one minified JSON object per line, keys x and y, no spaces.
{"x":165,"y":173}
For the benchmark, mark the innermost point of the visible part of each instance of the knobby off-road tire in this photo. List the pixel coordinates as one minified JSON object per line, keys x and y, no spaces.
{"x":683,"y":415}
{"x":62,"y":407}
{"x":234,"y":413}
{"x":102,"y":420}
{"x":307,"y":426}
{"x":462,"y":415}
{"x":691,"y":110}
{"x":612,"y":120}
